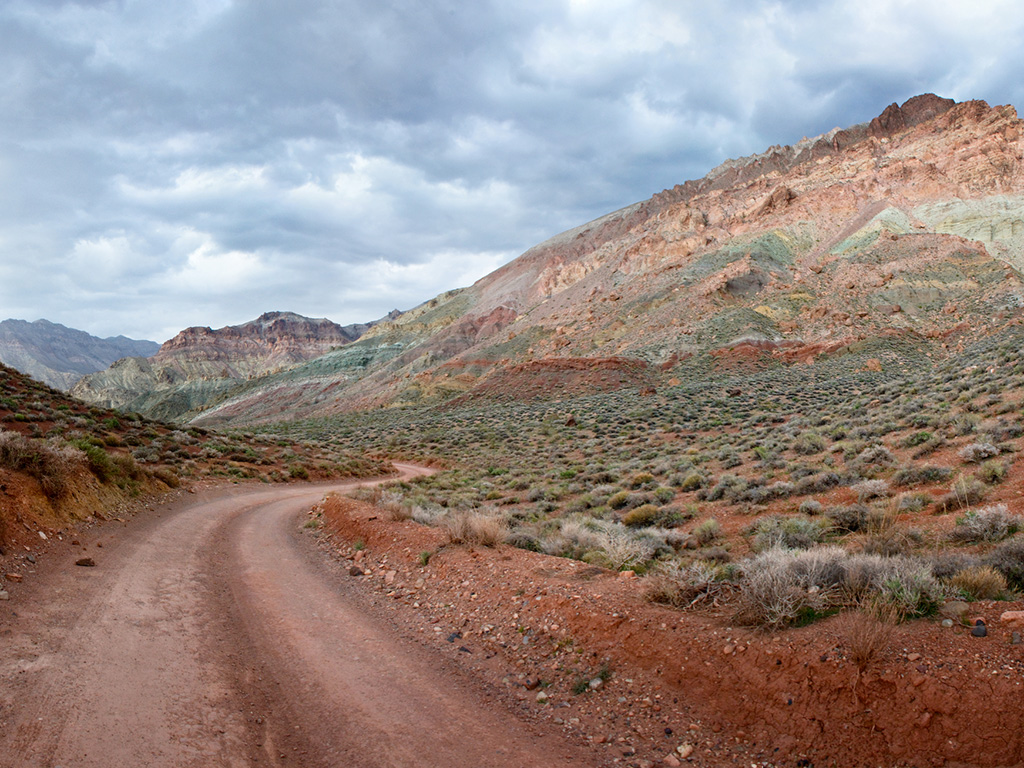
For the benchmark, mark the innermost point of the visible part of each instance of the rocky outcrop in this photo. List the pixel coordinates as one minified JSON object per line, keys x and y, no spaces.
{"x":201,"y":364}
{"x":59,"y":356}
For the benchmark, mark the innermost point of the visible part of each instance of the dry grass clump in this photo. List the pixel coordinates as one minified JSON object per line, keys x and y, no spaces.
{"x":684,"y":584}
{"x":394,"y":506}
{"x":485,"y":529}
{"x":980,"y":582}
{"x":51,"y":462}
{"x":866,"y":633}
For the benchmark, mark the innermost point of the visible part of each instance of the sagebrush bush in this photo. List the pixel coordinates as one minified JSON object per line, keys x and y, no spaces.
{"x":978,"y":452}
{"x":788,"y":532}
{"x":1008,"y":559}
{"x":992,"y":523}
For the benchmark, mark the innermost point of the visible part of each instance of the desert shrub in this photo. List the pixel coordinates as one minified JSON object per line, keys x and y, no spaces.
{"x":991,"y":472}
{"x":625,"y":500}
{"x":394,"y":506}
{"x":167,"y":477}
{"x":788,"y":532}
{"x":948,"y":564}
{"x":642,"y":516}
{"x":682,"y":584}
{"x":523,"y":539}
{"x":917,"y":438}
{"x":707,"y":532}
{"x":97,"y":459}
{"x":978,"y":452}
{"x":472,"y":527}
{"x":993,"y":523}
{"x":774,"y":593}
{"x":850,"y":518}
{"x":873,"y":458}
{"x":914,"y":475}
{"x":964,"y":492}
{"x":818,"y":483}
{"x":641,"y":480}
{"x":728,"y":487}
{"x":912,"y":502}
{"x":910,"y":589}
{"x":808,"y":443}
{"x":810,"y":507}
{"x":664,"y":495}
{"x":692,"y":481}
{"x":979,"y":582}
{"x":871,"y":489}
{"x":1008,"y":559}
{"x":866,"y":633}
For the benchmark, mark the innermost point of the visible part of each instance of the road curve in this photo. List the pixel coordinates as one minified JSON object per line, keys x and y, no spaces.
{"x":210,"y":634}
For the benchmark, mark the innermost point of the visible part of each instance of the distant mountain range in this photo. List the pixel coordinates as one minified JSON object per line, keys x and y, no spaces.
{"x":906,"y":230}
{"x":60,"y":356}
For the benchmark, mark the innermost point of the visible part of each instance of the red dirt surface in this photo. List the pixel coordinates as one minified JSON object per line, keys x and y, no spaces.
{"x":933,"y":696}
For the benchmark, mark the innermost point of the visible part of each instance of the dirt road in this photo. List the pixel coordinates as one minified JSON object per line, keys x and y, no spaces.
{"x":210,"y":633}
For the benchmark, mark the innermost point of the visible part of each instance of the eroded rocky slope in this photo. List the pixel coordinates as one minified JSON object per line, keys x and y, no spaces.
{"x":911,"y":225}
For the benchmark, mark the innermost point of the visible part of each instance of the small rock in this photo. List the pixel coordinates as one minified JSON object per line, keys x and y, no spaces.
{"x":671,"y":760}
{"x":454,"y":636}
{"x":532,"y":683}
{"x":542,"y":697}
{"x":389,"y":577}
{"x":729,"y":649}
{"x":979,"y":630}
{"x":595,"y":684}
{"x":4,"y":595}
{"x":42,"y":536}
{"x":31,"y":558}
{"x":947,"y":622}
{"x":1013,"y":618}
{"x":13,"y":577}
{"x":86,"y":562}
{"x":913,"y":657}
{"x":1015,"y":638}
{"x":355,"y":570}
{"x":684,"y":750}
{"x":627,"y":574}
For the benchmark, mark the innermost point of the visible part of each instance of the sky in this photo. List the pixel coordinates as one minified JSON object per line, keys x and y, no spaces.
{"x":200,"y":162}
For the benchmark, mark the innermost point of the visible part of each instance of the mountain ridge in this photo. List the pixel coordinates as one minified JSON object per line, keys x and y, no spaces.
{"x":59,"y":356}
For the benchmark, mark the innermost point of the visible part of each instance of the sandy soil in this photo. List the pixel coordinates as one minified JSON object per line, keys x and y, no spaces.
{"x":210,"y":632}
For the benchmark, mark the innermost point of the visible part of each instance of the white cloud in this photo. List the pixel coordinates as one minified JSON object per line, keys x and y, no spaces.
{"x":203,"y":161}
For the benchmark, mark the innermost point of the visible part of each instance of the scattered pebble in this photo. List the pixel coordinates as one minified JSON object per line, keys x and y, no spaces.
{"x":86,"y":562}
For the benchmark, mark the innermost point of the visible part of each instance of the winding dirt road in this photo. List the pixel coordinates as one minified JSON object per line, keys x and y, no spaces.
{"x":212,"y":634}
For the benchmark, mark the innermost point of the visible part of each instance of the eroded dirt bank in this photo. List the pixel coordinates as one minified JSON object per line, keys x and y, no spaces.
{"x":723,"y":695}
{"x":209,"y":633}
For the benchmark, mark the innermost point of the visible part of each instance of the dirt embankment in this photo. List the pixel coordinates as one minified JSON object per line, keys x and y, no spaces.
{"x":545,"y":627}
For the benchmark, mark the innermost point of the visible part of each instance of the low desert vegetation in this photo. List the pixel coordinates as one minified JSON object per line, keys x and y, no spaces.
{"x":787,"y":493}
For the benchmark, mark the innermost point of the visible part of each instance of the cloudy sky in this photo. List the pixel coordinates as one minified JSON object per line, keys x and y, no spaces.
{"x":199,"y":162}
